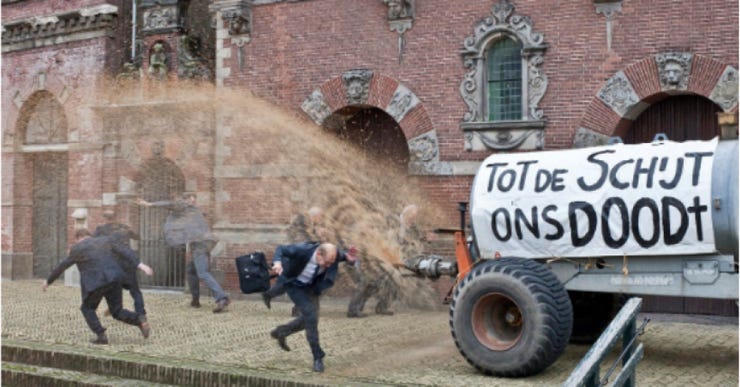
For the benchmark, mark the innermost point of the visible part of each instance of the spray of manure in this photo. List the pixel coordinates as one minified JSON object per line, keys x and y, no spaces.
{"x":362,"y":196}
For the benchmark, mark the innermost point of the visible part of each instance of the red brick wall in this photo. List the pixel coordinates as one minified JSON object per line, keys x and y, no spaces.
{"x":297,"y":47}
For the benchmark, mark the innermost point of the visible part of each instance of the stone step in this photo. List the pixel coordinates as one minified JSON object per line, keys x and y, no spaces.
{"x":24,"y":358}
{"x":16,"y":374}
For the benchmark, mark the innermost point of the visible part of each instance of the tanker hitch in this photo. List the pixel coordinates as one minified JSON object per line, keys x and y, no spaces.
{"x":430,"y":266}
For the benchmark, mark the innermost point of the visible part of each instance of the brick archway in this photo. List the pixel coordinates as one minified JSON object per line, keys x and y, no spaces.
{"x":332,"y":96}
{"x":641,"y":79}
{"x":41,"y":82}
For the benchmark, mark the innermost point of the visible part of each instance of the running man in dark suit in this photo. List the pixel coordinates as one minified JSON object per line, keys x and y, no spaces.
{"x":307,"y":269}
{"x":124,"y":233}
{"x":101,"y":277}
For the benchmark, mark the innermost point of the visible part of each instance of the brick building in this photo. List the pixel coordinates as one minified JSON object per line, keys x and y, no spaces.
{"x":420,"y":73}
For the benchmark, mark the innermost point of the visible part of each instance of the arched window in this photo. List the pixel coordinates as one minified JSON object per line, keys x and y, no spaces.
{"x":504,"y":83}
{"x":504,"y":75}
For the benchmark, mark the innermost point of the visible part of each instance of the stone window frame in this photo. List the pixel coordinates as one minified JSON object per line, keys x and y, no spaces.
{"x":503,"y":23}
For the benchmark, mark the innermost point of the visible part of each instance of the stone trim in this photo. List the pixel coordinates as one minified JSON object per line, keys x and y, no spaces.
{"x":402,"y":102}
{"x":619,"y":94}
{"x":82,"y":24}
{"x":608,"y":8}
{"x":316,"y":107}
{"x":586,"y":138}
{"x":725,"y":92}
{"x":504,"y":135}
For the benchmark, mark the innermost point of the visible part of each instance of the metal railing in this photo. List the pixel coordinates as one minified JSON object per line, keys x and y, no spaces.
{"x":624,"y":324}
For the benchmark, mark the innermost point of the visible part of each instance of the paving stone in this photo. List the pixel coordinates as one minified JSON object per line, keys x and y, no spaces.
{"x":412,"y":347}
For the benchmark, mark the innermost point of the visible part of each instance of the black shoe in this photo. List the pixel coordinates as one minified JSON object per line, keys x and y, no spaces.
{"x":280,"y":339}
{"x":101,"y":339}
{"x":195,"y":303}
{"x":221,"y":305}
{"x":266,"y":299}
{"x":318,"y":365}
{"x":145,"y":329}
{"x":356,"y":314}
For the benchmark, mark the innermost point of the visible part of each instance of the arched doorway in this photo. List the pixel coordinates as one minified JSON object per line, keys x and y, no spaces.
{"x":373,"y":131}
{"x":160,"y":179}
{"x":681,"y":118}
{"x":43,"y":122}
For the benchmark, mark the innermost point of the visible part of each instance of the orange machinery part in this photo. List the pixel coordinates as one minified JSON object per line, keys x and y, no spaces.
{"x":464,"y":260}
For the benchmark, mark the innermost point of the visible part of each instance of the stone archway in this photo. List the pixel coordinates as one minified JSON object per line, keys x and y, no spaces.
{"x":629,"y":92}
{"x":159,"y":179}
{"x":364,"y":91}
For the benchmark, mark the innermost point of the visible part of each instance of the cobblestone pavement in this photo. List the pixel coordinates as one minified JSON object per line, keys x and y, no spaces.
{"x":409,"y":348}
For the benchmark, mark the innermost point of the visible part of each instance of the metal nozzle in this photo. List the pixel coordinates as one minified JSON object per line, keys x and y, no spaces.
{"x":432,"y":266}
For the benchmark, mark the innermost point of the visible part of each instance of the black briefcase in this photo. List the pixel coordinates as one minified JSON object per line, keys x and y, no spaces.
{"x":254,"y":274}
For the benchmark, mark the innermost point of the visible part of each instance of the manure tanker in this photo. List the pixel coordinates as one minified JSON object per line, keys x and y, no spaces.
{"x":559,"y":237}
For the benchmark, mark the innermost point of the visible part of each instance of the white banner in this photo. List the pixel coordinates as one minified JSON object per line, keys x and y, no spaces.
{"x":645,"y":199}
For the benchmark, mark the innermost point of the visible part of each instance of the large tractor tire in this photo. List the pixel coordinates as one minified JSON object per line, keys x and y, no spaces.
{"x":511,"y":317}
{"x":592,"y":313}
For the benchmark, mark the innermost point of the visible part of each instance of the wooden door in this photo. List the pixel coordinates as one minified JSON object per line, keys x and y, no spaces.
{"x":49,"y":222}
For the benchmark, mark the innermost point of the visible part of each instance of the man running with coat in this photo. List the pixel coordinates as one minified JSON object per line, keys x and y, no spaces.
{"x":307,"y":269}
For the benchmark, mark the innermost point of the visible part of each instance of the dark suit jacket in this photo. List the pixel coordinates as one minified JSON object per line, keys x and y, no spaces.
{"x":97,"y":260}
{"x":294,"y":259}
{"x":110,"y":229}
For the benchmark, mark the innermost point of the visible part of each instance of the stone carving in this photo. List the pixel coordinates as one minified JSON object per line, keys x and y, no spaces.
{"x":506,"y":140}
{"x":129,"y":72}
{"x":674,"y":69}
{"x":536,"y":87}
{"x":160,"y":18}
{"x":585,"y":138}
{"x":316,"y":107}
{"x":238,"y":21}
{"x":725,"y":92}
{"x":400,"y":9}
{"x":158,"y":62}
{"x":608,"y":8}
{"x":424,"y":148}
{"x":190,"y":64}
{"x":503,"y":21}
{"x":402,"y":102}
{"x":357,"y":85}
{"x":618,"y":94}
{"x":400,"y":20}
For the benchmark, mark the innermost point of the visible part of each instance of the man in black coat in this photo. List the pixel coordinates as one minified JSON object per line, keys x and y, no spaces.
{"x":124,"y":233}
{"x":101,"y":277}
{"x":307,"y":269}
